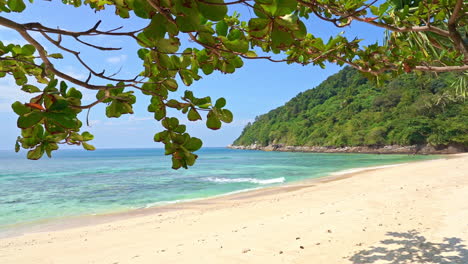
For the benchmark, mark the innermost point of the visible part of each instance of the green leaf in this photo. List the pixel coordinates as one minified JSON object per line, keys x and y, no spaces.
{"x":213,"y":12}
{"x":222,"y":28}
{"x":206,"y":38}
{"x":30,"y":119}
{"x":285,"y":7}
{"x":257,"y":24}
{"x":266,"y":9}
{"x":189,"y":95}
{"x":193,"y":144}
{"x":36,"y":153}
{"x":88,"y":146}
{"x":142,"y":53}
{"x":173,"y":104}
{"x":72,"y":92}
{"x":227,"y":68}
{"x":220,"y":103}
{"x":87,"y":136}
{"x":28,"y":50}
{"x":30,"y":88}
{"x":188,"y":23}
{"x":168,"y":45}
{"x":157,"y":28}
{"x":142,"y":8}
{"x":264,"y":1}
{"x":234,"y":34}
{"x":170,"y":84}
{"x":226,"y":116}
{"x":176,"y":164}
{"x":193,"y":115}
{"x":213,"y":122}
{"x":16,"y":5}
{"x":49,"y":147}
{"x":58,"y":105}
{"x":117,"y":108}
{"x":251,"y":54}
{"x":186,"y":77}
{"x":62,"y":119}
{"x":56,"y":55}
{"x":207,"y":68}
{"x":260,"y":11}
{"x":190,"y":159}
{"x":236,"y":62}
{"x":20,"y":77}
{"x":161,"y":136}
{"x":180,"y":129}
{"x":281,"y":38}
{"x":17,"y":146}
{"x":170,"y":123}
{"x":160,"y":113}
{"x":173,"y":122}
{"x":63,"y":88}
{"x":20,"y":108}
{"x":301,"y":32}
{"x":178,"y":139}
{"x":237,"y":45}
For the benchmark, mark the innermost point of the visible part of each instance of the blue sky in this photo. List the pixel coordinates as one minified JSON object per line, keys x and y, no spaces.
{"x":255,"y":89}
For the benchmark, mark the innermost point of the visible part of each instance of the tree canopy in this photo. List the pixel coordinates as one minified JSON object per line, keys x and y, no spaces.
{"x":349,"y":110}
{"x":422,"y":35}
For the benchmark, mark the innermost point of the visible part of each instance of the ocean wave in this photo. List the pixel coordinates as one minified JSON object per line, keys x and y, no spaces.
{"x":250,"y":180}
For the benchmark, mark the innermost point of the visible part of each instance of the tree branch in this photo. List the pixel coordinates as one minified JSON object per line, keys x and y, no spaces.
{"x":441,"y":68}
{"x":48,"y":66}
{"x":460,"y":44}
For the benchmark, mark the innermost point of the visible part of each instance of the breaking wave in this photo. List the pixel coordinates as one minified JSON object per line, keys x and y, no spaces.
{"x":250,"y":180}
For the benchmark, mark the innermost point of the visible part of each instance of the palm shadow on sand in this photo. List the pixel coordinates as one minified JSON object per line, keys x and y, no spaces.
{"x":411,"y":247}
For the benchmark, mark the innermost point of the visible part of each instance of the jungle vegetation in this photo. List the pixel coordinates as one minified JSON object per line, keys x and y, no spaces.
{"x":349,"y":110}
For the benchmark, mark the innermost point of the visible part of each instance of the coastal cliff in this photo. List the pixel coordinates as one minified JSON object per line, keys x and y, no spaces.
{"x":393,"y":149}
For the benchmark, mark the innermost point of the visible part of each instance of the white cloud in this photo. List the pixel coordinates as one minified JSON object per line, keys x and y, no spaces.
{"x":134,"y":118}
{"x":117,"y":59}
{"x":240,"y":123}
{"x":73,"y":72}
{"x":124,"y":121}
{"x":94,"y":122}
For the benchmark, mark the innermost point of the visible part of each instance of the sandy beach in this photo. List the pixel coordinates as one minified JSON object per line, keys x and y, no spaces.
{"x":412,"y":213}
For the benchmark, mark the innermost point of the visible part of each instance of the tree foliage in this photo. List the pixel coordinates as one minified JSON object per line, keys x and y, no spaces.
{"x":348,"y":110}
{"x":423,"y":35}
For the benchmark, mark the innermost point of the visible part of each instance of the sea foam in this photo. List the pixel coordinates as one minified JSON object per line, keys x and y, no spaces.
{"x":250,"y":180}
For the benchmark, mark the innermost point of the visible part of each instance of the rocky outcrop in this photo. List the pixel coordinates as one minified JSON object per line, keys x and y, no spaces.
{"x":392,"y":149}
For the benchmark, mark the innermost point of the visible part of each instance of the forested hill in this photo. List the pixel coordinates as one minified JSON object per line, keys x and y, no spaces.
{"x":349,"y":110}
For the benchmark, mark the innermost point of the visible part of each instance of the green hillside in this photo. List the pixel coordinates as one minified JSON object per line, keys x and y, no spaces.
{"x":349,"y":110}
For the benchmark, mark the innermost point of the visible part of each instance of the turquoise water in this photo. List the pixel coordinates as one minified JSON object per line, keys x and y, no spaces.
{"x":77,"y":182}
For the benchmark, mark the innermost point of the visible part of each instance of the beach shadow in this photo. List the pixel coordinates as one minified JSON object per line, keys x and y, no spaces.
{"x":411,"y":247}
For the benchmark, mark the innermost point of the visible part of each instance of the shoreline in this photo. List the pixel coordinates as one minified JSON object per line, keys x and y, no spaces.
{"x":387,"y":149}
{"x":418,"y":208}
{"x":67,"y":222}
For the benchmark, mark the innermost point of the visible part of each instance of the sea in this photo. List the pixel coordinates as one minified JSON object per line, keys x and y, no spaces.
{"x":80,"y":183}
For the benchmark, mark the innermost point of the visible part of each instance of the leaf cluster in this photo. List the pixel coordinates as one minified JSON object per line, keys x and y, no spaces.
{"x":423,"y":35}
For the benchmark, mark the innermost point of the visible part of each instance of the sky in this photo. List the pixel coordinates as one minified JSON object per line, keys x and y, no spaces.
{"x":252,"y":90}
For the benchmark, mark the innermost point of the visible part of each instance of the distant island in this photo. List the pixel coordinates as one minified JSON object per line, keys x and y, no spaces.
{"x":412,"y":114}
